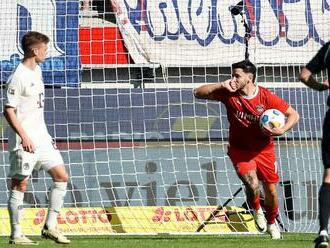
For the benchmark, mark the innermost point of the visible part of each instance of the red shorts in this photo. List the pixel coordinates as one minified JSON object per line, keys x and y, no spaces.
{"x":263,"y":162}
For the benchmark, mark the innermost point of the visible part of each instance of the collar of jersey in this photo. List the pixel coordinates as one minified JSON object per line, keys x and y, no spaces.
{"x":254,"y":94}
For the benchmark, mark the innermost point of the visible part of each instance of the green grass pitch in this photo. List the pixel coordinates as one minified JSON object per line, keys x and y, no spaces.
{"x":168,"y":241}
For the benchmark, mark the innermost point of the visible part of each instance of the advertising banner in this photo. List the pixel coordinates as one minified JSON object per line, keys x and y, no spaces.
{"x":205,"y":32}
{"x":72,"y":221}
{"x":99,"y":221}
{"x":58,"y":19}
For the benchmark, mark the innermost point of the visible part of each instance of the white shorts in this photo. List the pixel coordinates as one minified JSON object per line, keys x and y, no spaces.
{"x":45,"y":156}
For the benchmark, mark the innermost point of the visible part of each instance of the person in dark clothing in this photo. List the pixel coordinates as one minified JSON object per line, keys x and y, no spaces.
{"x":319,"y":62}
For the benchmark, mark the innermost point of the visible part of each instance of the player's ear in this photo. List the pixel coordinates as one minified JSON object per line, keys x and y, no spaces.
{"x":35,"y":51}
{"x":250,"y":75}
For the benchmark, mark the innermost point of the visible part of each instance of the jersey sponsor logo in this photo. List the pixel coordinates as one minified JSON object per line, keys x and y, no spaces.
{"x":245,"y":116}
{"x":41,"y":100}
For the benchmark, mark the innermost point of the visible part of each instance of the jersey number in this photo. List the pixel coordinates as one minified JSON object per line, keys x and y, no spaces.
{"x":41,"y":100}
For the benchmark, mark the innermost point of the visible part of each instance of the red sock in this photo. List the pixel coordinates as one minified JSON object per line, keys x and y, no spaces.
{"x":255,"y":203}
{"x":271,"y":213}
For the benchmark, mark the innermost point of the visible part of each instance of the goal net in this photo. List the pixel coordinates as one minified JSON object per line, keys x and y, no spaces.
{"x":143,"y":155}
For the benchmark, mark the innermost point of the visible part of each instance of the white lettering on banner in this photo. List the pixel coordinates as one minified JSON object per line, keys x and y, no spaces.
{"x":8,"y":29}
{"x":227,"y":33}
{"x":295,"y":30}
{"x":203,"y":32}
{"x":320,"y":12}
{"x":267,"y":32}
{"x":185,"y":19}
{"x":201,"y":18}
{"x":42,"y":18}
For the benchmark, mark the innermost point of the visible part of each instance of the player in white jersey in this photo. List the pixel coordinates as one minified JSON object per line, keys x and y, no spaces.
{"x":30,"y":144}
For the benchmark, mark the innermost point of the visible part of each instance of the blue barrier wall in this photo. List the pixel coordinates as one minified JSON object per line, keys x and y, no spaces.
{"x":158,"y":114}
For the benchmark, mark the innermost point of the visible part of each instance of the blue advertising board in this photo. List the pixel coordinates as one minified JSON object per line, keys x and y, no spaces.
{"x":161,"y":114}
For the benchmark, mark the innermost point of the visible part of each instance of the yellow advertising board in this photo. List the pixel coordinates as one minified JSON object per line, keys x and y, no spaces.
{"x":173,"y":219}
{"x":130,"y":220}
{"x":72,"y":221}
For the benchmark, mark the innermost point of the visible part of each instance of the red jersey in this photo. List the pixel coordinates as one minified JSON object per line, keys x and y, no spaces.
{"x":243,"y":114}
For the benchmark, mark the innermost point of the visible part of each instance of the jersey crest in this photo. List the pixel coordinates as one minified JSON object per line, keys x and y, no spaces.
{"x":260,"y":108}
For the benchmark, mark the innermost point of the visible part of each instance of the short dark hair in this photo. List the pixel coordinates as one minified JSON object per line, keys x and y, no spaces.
{"x":247,"y":66}
{"x":31,"y":39}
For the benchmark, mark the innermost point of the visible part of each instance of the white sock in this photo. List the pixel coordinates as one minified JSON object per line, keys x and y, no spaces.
{"x":56,"y":200}
{"x":324,"y":233}
{"x":15,"y":208}
{"x":259,"y":211}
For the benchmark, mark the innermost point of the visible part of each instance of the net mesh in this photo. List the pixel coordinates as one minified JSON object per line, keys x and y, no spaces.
{"x":130,"y":131}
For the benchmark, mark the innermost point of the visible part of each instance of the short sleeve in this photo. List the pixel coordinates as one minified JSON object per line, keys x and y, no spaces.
{"x":14,"y":92}
{"x":221,"y":95}
{"x":277,"y":102}
{"x":320,"y":60}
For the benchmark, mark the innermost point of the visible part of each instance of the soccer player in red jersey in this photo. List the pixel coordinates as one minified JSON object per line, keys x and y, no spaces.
{"x":251,"y":148}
